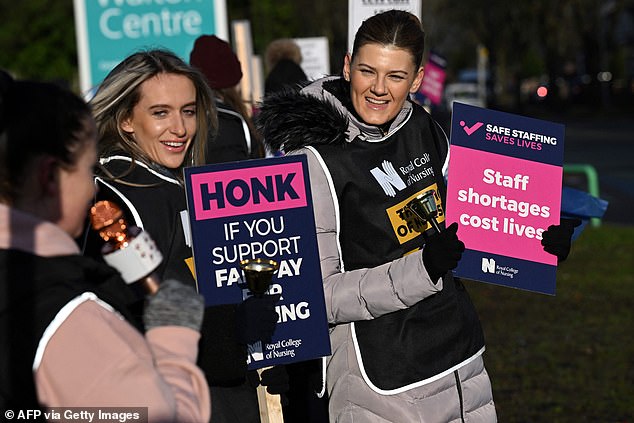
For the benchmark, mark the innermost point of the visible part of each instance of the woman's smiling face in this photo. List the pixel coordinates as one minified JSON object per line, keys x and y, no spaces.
{"x":381,"y":78}
{"x":163,"y":122}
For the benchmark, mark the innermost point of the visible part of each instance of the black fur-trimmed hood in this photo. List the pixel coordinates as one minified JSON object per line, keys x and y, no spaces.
{"x":291,"y":119}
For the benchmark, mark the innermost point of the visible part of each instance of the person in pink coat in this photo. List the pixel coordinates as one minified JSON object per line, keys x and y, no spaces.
{"x":66,"y":339}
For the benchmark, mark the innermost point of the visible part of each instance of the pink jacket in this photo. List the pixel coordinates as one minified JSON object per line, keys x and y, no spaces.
{"x":90,"y":356}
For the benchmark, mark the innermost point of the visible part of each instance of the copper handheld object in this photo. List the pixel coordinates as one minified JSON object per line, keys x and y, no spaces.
{"x":107,"y":218}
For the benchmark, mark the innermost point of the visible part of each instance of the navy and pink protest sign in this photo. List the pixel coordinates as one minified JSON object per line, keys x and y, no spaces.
{"x":261,"y":209}
{"x":504,"y":190}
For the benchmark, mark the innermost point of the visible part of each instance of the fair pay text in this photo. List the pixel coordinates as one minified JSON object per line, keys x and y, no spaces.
{"x":228,"y":256}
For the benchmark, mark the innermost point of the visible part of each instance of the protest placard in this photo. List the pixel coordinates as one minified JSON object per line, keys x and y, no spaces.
{"x":261,"y":209}
{"x":434,"y":79}
{"x":504,"y":190}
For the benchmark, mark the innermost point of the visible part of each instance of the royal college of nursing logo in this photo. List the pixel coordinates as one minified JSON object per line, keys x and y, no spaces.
{"x":393,"y":179}
{"x":388,"y":178}
{"x":488,"y":265}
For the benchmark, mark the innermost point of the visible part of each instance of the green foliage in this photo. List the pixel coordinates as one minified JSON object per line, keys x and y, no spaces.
{"x":551,"y":32}
{"x":273,"y":19}
{"x":567,"y":358}
{"x":37,"y":39}
{"x":532,"y":64}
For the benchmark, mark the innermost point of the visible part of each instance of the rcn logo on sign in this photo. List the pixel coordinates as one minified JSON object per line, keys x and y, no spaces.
{"x":488,"y":265}
{"x":388,"y":178}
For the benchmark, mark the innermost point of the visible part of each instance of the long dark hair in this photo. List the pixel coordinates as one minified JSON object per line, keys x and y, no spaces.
{"x":393,"y":28}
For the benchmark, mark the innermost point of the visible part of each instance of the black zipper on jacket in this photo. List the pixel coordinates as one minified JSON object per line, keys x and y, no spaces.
{"x":459,"y":388}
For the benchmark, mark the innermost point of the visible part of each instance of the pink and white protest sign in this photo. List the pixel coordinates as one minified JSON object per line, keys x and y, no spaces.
{"x":504,"y":190}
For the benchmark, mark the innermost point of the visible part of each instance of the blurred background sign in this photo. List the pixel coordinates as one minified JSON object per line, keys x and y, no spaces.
{"x":251,"y":85}
{"x":360,"y":10}
{"x":108,"y":31}
{"x":433,"y":83}
{"x":315,"y":56}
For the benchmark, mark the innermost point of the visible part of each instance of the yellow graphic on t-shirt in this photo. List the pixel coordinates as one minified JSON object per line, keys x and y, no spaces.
{"x":405,"y":224}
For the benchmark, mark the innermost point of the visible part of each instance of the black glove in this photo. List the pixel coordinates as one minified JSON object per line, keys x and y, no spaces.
{"x":256,"y":319}
{"x":275,"y":379}
{"x":175,"y":304}
{"x":220,"y":355}
{"x":557,"y":238}
{"x":442,"y":252}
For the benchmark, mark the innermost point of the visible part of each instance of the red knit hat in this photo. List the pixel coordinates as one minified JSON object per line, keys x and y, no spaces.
{"x":217,"y":61}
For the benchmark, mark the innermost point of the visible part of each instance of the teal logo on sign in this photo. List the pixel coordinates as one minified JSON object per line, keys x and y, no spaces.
{"x":116,"y":28}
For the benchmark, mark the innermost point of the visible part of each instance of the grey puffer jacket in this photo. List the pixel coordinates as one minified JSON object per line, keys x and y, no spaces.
{"x":296,"y":123}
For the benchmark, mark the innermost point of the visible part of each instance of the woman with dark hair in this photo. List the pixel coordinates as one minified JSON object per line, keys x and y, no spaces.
{"x":67,"y":338}
{"x":407,"y":342}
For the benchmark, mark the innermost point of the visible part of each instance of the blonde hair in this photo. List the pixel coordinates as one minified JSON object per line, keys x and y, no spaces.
{"x":120,"y":92}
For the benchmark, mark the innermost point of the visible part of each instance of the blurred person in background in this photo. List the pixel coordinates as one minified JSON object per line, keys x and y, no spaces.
{"x":67,"y":338}
{"x":236,"y":138}
{"x":153,"y":114}
{"x":283,"y":59}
